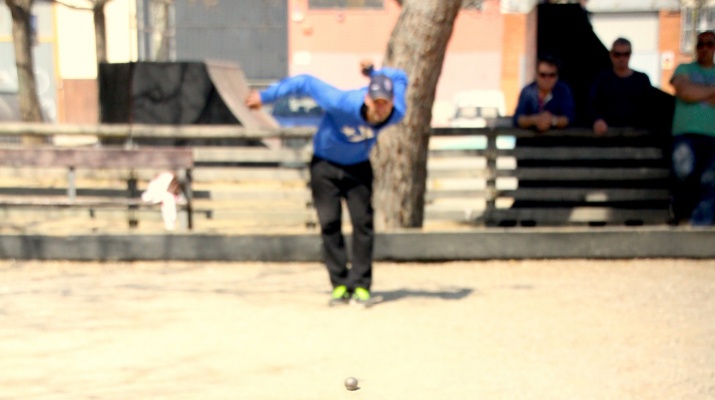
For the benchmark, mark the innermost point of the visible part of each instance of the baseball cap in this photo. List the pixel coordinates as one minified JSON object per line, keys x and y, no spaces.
{"x":380,"y":87}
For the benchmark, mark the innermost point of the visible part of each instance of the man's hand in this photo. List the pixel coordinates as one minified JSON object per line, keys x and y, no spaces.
{"x":366,"y":67}
{"x":253,"y":101}
{"x":543,"y":121}
{"x":600,"y":127}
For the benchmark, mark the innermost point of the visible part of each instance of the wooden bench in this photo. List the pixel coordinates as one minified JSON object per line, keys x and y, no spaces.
{"x":102,"y":158}
{"x":248,"y":188}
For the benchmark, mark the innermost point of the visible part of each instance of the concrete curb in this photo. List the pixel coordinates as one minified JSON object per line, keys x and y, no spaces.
{"x":492,"y":243}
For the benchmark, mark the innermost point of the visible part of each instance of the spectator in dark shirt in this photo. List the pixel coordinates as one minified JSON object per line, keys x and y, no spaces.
{"x":619,"y":96}
{"x":547,"y":102}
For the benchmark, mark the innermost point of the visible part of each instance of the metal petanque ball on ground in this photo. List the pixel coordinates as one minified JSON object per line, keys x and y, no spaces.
{"x":351,"y":383}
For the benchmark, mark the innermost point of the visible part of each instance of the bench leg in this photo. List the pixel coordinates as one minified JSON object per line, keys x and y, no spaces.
{"x":186,"y":190}
{"x":133,"y":191}
{"x":71,"y":184}
{"x":188,"y":193}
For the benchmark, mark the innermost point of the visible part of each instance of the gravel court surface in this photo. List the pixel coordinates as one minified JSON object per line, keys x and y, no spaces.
{"x":546,"y":329}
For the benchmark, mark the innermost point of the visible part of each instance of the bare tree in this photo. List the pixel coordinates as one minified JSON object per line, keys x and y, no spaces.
{"x":158,"y":25}
{"x":100,"y":25}
{"x":21,"y":11}
{"x":417,"y":45}
{"x":100,"y":29}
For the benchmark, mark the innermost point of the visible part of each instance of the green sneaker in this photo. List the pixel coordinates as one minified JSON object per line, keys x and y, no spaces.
{"x":361,"y":296}
{"x":340,"y":296}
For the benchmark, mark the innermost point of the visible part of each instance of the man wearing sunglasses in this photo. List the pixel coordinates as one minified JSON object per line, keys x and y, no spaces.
{"x":619,"y":96}
{"x":693,"y":154}
{"x":547,"y":102}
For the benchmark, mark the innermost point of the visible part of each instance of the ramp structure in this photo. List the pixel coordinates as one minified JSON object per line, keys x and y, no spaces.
{"x":177,"y":93}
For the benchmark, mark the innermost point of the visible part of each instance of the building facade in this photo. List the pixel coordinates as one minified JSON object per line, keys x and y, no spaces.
{"x":493,"y":44}
{"x":489,"y":50}
{"x":654,"y":29}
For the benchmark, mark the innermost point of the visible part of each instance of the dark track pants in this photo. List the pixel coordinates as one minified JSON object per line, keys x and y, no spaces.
{"x":330,"y":183}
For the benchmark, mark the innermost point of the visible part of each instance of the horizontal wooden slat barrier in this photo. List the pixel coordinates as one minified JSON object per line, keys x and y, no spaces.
{"x":621,"y":179}
{"x":42,"y":157}
{"x":499,"y":176}
{"x":129,"y":131}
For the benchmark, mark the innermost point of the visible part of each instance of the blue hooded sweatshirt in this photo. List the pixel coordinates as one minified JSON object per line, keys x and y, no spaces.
{"x":344,"y":137}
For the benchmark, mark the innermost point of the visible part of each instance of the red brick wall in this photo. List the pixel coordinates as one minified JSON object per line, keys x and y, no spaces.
{"x":669,"y":44}
{"x":78,"y":101}
{"x":519,"y":54}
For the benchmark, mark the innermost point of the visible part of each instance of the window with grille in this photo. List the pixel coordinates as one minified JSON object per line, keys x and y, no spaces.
{"x":155,"y":30}
{"x":328,"y":4}
{"x":693,"y":22}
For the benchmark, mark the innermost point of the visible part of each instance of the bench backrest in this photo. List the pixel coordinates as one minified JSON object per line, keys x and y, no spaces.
{"x":146,"y":157}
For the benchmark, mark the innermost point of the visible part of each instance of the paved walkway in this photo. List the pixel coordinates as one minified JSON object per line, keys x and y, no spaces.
{"x":570,"y":329}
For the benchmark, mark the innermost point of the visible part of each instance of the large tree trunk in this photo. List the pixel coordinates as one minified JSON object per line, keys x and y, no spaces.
{"x":100,"y":37}
{"x":27,"y":87}
{"x":417,"y":45}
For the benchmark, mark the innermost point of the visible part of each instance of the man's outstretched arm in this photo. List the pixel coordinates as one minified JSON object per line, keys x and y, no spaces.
{"x":327,"y":96}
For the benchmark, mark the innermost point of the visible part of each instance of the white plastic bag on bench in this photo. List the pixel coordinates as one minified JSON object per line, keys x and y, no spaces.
{"x":164,"y":189}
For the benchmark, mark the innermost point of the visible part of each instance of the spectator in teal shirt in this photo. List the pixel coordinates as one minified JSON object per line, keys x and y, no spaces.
{"x":693,"y":156}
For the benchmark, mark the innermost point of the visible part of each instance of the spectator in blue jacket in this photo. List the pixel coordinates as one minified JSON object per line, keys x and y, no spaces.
{"x":340,"y":168}
{"x":547,"y":102}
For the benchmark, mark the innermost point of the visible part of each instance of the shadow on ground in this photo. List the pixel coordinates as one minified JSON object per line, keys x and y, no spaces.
{"x":399,"y":294}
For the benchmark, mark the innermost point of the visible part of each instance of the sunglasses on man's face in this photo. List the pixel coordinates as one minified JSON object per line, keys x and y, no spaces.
{"x":619,"y":54}
{"x":548,"y":74}
{"x":708,"y":44}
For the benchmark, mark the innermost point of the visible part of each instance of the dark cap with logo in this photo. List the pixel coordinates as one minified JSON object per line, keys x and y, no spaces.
{"x":380,"y":87}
